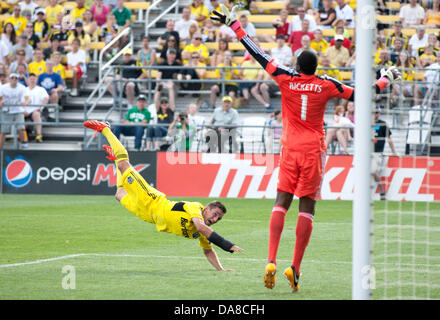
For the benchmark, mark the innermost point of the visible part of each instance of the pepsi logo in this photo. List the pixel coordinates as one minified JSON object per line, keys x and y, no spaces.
{"x":18,"y":173}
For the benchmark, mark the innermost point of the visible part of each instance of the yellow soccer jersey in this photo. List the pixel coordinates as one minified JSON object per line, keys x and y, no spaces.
{"x":201,"y":49}
{"x":18,"y":23}
{"x":61,"y":70}
{"x":52,"y":14}
{"x":152,"y":206}
{"x":176,"y":217}
{"x":37,"y":67}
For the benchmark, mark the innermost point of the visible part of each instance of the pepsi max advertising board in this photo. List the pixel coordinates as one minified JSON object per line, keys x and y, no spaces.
{"x":67,"y":172}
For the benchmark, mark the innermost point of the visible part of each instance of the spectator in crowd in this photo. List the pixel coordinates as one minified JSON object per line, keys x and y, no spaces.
{"x":326,"y":15}
{"x":38,"y":66}
{"x":62,"y":34}
{"x":296,"y":36}
{"x":22,"y":72}
{"x":183,"y":132}
{"x":170,"y":31}
{"x":340,"y":130}
{"x":130,"y":88}
{"x":8,"y":37}
{"x":123,"y":19}
{"x":212,"y":5}
{"x":165,"y":114}
{"x":319,"y":44}
{"x":297,"y":21}
{"x":329,"y":69}
{"x":28,"y":8}
{"x":13,"y":97}
{"x":292,"y":5}
{"x":164,"y":76}
{"x":108,"y":32}
{"x":305,"y":45}
{"x":195,"y":71}
{"x":193,"y":28}
{"x":38,"y":98}
{"x":194,"y":119}
{"x":426,"y":58}
{"x":40,"y":26}
{"x":209,"y":31}
{"x":338,"y":54}
{"x":54,"y":47}
{"x":3,"y":79}
{"x":432,"y":43}
{"x":432,"y":16}
{"x":81,"y":35}
{"x":79,"y":10}
{"x":171,"y":43}
{"x":51,"y":82}
{"x":417,"y":40}
{"x":58,"y":66}
{"x":250,"y":75}
{"x":146,"y":56}
{"x":76,"y":61}
{"x":345,"y":12}
{"x":225,"y":119}
{"x":396,"y":50}
{"x":247,"y":5}
{"x":340,"y":30}
{"x":20,"y":58}
{"x":218,"y":56}
{"x":397,"y":34}
{"x":401,"y":88}
{"x":431,"y":79}
{"x":199,"y":12}
{"x":196,"y":46}
{"x":263,"y":91}
{"x":24,"y":45}
{"x":226,"y":70}
{"x":136,"y":115}
{"x":282,"y":53}
{"x":281,"y":25}
{"x":412,"y":14}
{"x":52,"y":11}
{"x":247,"y":26}
{"x":100,"y":12}
{"x":274,"y":132}
{"x":90,"y":26}
{"x":182,"y":25}
{"x":381,"y":133}
{"x":17,"y":20}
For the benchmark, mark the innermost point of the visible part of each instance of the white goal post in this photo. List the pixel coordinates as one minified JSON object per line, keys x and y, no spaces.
{"x":362,"y":203}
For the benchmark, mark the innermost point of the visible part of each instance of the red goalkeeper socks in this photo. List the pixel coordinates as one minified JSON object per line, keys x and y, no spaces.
{"x":304,"y":227}
{"x":276,"y":226}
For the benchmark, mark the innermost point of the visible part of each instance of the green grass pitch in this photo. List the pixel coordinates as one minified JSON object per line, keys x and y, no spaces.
{"x":115,"y":255}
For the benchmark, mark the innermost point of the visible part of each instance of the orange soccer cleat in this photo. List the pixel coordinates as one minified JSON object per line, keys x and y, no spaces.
{"x":269,"y":275}
{"x":292,"y":277}
{"x":111,"y":155}
{"x":96,"y":125}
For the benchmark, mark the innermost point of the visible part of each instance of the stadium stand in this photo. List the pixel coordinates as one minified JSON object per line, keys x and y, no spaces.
{"x":74,"y":108}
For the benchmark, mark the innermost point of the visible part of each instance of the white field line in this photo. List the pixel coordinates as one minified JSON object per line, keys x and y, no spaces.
{"x":183,"y":257}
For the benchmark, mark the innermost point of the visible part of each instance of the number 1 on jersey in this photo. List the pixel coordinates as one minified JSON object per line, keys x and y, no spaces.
{"x":304,"y":98}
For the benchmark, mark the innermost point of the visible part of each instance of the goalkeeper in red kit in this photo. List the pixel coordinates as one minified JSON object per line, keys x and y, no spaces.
{"x":304,"y":97}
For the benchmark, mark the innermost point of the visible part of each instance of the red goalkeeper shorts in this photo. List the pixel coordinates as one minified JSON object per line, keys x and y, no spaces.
{"x":301,"y":172}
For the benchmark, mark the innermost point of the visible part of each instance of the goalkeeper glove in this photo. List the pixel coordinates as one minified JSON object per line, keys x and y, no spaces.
{"x":392,"y":73}
{"x":224,"y":16}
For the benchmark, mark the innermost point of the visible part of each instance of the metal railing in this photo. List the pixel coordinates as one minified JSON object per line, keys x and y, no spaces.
{"x":148,"y":23}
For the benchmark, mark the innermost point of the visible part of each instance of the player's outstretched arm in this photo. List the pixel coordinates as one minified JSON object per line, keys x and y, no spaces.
{"x":230,"y":19}
{"x":214,"y":237}
{"x":212,"y":257}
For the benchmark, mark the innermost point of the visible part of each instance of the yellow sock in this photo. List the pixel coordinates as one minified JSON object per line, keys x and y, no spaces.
{"x":119,"y":150}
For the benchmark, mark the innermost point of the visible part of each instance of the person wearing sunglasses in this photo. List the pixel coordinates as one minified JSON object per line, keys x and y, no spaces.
{"x":196,"y":46}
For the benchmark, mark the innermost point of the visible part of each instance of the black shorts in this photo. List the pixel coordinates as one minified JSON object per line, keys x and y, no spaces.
{"x":136,"y":89}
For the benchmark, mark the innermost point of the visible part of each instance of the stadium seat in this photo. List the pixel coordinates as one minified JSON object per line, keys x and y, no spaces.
{"x":387,"y":19}
{"x":345,"y":75}
{"x":393,"y":5}
{"x":137,"y":5}
{"x":262,"y":18}
{"x":270,"y":5}
{"x":268,"y":31}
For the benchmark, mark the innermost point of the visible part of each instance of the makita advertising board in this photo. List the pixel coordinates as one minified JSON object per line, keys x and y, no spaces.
{"x":256,"y":176}
{"x":68,"y":172}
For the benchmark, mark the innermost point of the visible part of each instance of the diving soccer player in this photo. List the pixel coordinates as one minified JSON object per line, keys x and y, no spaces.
{"x":304,"y":97}
{"x":186,"y":219}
